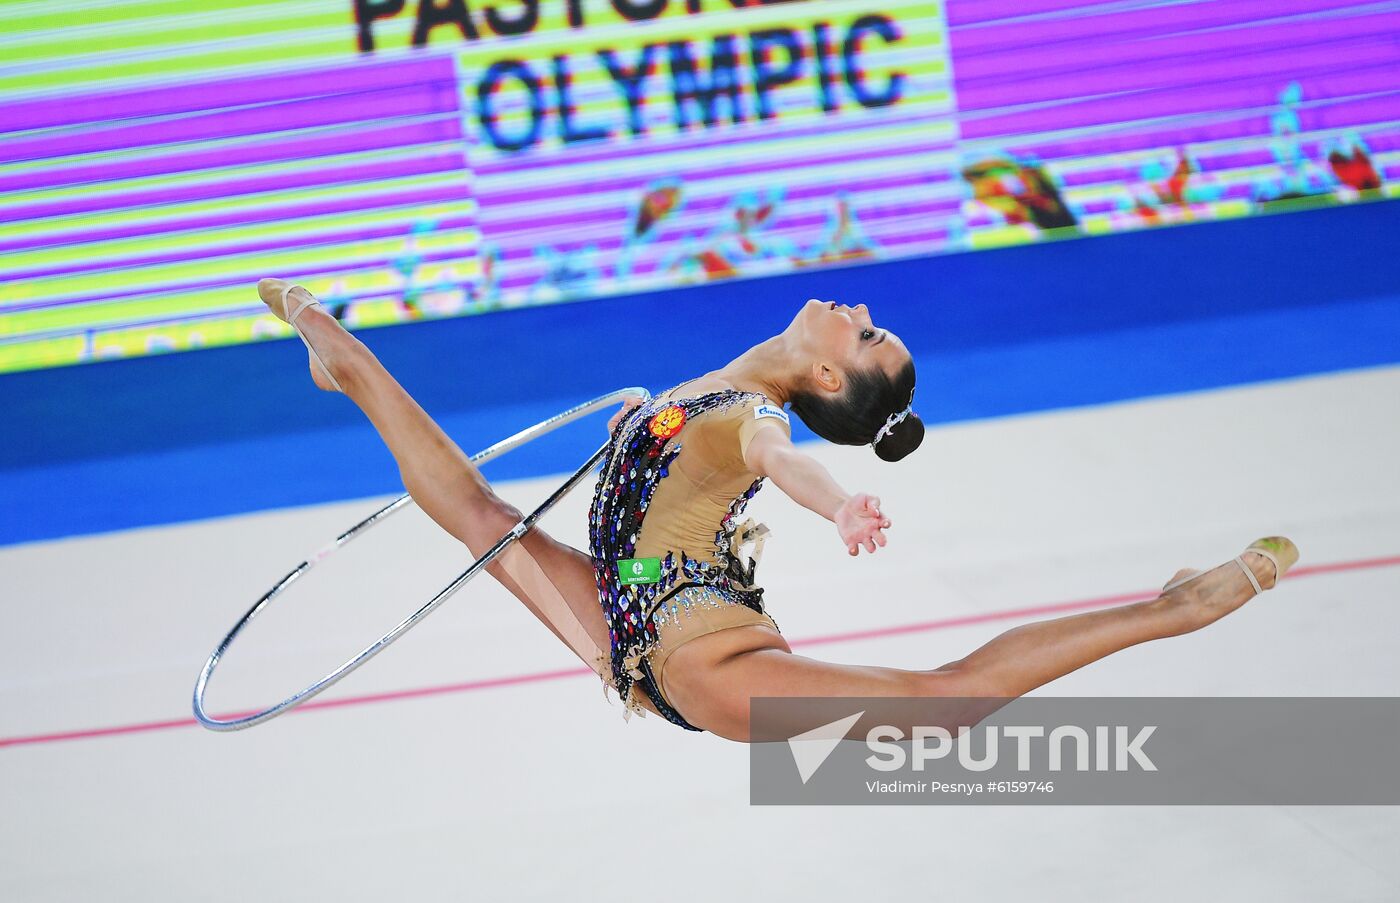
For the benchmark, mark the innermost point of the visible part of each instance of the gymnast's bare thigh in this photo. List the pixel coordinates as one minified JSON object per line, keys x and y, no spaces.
{"x":686,"y":688}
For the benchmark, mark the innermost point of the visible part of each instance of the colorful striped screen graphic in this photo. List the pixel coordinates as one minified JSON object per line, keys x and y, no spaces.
{"x":414,"y":159}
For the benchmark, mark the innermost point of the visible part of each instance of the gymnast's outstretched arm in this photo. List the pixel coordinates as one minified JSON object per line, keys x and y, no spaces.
{"x":858,"y":518}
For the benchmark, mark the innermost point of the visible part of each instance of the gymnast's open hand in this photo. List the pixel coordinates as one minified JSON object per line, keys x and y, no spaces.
{"x":858,"y":518}
{"x":861,"y":523}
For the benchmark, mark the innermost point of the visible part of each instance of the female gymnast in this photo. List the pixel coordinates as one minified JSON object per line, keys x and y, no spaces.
{"x":682,"y":628}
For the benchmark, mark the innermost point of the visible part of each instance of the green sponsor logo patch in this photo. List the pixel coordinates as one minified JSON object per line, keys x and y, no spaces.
{"x":639,"y":570}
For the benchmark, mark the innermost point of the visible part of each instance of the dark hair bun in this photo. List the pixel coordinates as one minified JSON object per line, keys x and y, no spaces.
{"x":902,"y":439}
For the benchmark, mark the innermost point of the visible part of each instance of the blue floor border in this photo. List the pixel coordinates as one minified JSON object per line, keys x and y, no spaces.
{"x":133,"y":443}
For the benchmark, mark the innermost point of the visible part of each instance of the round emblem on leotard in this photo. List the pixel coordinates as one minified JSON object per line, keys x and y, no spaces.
{"x":667,"y":422}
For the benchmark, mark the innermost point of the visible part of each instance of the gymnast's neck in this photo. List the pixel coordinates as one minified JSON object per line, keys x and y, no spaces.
{"x":773,"y":367}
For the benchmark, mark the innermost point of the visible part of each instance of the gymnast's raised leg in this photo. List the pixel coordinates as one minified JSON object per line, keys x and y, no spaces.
{"x":552,"y":579}
{"x":712,"y":680}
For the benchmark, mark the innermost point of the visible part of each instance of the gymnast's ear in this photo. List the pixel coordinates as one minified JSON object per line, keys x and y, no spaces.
{"x":826,"y":378}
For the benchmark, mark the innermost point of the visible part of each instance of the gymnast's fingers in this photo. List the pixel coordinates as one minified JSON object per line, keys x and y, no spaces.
{"x":622,"y":412}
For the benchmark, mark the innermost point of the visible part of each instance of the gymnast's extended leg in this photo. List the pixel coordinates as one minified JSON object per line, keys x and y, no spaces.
{"x":711,"y":680}
{"x":554,"y":580}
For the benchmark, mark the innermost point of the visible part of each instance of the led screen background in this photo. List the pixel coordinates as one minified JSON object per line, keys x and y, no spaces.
{"x":411,"y":160}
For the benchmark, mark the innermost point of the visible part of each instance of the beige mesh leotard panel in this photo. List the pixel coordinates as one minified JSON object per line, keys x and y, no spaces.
{"x":686,"y":513}
{"x":706,"y":477}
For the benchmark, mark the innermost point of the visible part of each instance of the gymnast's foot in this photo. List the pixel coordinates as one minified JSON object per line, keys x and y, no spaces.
{"x":320,"y":331}
{"x":1206,"y":597}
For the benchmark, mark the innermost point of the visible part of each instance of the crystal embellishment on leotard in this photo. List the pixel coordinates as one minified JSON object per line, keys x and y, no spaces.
{"x":638,"y":459}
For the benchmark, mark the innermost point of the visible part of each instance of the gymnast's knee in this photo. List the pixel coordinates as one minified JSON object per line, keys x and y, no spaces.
{"x":489,"y":520}
{"x":959,"y":679}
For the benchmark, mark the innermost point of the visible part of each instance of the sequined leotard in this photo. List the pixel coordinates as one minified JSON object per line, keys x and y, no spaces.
{"x":672,"y":485}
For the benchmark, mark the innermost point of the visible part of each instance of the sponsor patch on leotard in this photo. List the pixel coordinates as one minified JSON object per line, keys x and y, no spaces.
{"x":638,"y":570}
{"x":770,"y":410}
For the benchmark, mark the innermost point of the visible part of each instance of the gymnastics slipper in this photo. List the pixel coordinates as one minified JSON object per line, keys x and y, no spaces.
{"x":1278,"y":549}
{"x":274,"y":294}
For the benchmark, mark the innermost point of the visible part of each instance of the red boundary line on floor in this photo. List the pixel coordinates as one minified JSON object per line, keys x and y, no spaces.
{"x":542,"y":676}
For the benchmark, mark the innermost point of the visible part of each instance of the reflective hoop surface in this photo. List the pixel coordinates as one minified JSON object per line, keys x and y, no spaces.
{"x":369,"y":652}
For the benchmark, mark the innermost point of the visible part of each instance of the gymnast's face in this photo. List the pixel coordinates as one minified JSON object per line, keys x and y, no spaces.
{"x":841,"y":339}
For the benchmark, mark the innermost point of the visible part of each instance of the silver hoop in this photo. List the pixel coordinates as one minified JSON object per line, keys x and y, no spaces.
{"x":369,"y":652}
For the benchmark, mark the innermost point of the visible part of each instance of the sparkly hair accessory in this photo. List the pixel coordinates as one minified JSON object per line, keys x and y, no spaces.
{"x":893,"y":421}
